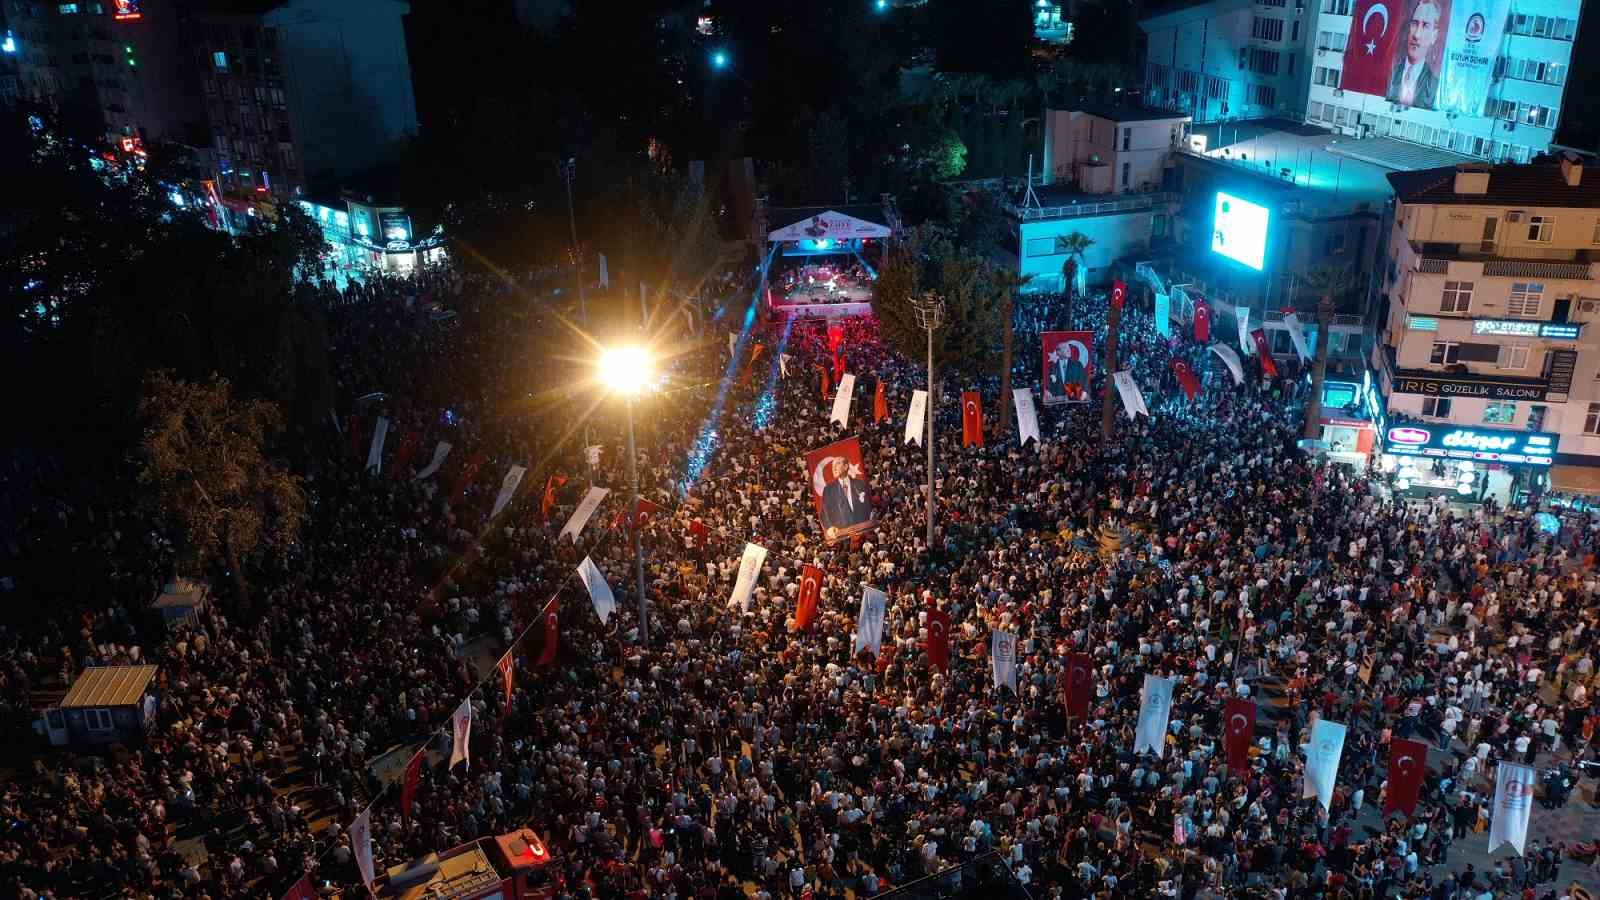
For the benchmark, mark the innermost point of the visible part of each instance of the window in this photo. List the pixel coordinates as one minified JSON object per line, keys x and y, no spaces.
{"x":219,"y":59}
{"x":1266,"y":29}
{"x":1336,"y":7}
{"x":1294,"y":35}
{"x":1292,"y":57}
{"x":1499,"y":412}
{"x":1525,"y":300}
{"x":1444,"y":353}
{"x":1457,"y":297}
{"x":1512,"y":356}
{"x":1127,"y":138}
{"x":1259,"y":61}
{"x":1263,"y":95}
{"x":1591,"y":422}
{"x":1126,"y":169}
{"x":1436,"y":407}
{"x":1331,"y":40}
{"x":1326,"y":76}
{"x":97,"y":719}
{"x":1045,"y":246}
{"x":1595,"y":238}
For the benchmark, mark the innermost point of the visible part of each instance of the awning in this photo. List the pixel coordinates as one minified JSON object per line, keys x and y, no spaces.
{"x":1575,"y":480}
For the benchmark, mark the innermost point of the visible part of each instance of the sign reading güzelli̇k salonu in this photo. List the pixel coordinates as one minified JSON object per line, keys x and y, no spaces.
{"x":1482,"y":388}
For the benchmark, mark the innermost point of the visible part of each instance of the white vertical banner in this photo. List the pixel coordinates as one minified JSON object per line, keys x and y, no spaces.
{"x":605,"y":603}
{"x":508,"y":488}
{"x":605,"y":272}
{"x":580,"y":516}
{"x":749,"y":572}
{"x":1003,"y":658}
{"x":841,"y":400}
{"x":1241,"y":314}
{"x":869,"y":622}
{"x":461,"y":734}
{"x":1297,"y":335}
{"x":361,"y":845}
{"x":1132,"y":400}
{"x":375,"y":452}
{"x":1154,"y":711}
{"x":439,"y":453}
{"x":1513,"y":802}
{"x":783,"y":364}
{"x":919,"y":408}
{"x":1322,"y":761}
{"x":1027,"y":416}
{"x":733,"y":341}
{"x":1231,"y":360}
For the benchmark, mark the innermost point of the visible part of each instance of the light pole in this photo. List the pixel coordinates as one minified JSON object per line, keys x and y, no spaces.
{"x":625,"y":370}
{"x":569,"y":170}
{"x":930,"y":315}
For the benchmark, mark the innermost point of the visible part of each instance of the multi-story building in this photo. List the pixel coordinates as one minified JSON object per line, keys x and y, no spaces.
{"x":300,"y":91}
{"x":1489,"y":362}
{"x":1228,"y":59}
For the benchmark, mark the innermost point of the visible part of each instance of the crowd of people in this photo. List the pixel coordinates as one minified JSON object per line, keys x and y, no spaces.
{"x":726,"y":753}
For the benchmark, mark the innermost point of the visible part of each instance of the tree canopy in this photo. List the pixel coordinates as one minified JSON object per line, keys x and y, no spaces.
{"x":972,"y":291}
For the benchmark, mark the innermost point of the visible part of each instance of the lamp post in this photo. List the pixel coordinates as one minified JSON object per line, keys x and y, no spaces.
{"x":930,"y":315}
{"x":625,"y":370}
{"x":569,"y":170}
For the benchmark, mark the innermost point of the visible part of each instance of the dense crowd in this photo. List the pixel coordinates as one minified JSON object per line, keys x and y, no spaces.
{"x":732,"y":751}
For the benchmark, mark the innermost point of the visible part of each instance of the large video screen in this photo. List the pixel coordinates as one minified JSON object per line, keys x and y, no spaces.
{"x":1425,"y":54}
{"x":1239,"y":231}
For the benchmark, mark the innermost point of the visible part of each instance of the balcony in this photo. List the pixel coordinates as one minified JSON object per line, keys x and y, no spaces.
{"x":1125,"y":203}
{"x":1438,"y":259}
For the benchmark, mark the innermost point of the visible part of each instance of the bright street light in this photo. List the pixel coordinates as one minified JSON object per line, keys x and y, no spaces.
{"x":719,"y":60}
{"x":625,"y":370}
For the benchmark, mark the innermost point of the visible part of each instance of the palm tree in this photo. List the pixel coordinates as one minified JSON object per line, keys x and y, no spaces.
{"x":1007,"y":283}
{"x":1329,"y":282}
{"x":1073,"y":245}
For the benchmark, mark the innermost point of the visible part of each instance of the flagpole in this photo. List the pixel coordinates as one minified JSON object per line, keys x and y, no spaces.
{"x":1113,"y":322}
{"x":638,"y":551}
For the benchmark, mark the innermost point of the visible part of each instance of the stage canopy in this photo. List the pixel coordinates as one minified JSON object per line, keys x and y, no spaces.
{"x":827,"y":223}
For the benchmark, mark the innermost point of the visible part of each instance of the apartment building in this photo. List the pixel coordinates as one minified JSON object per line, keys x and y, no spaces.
{"x":1488,"y":362}
{"x":1228,"y":59}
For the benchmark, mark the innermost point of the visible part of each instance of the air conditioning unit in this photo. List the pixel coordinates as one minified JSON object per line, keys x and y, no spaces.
{"x":1514,"y":215}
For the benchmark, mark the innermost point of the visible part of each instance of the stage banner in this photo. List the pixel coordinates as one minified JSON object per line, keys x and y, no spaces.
{"x":375,"y":451}
{"x":749,"y":574}
{"x":605,"y":603}
{"x":869,"y":622}
{"x":461,"y":734}
{"x":1513,"y":803}
{"x":580,"y":516}
{"x":508,"y":489}
{"x":841,"y":400}
{"x":1231,"y":360}
{"x":1239,"y":728}
{"x":1132,"y":400}
{"x":361,"y":845}
{"x":1154,"y":710}
{"x":1297,"y":335}
{"x":1322,"y":761}
{"x":1068,"y":366}
{"x":1027,"y":416}
{"x":1408,"y":763}
{"x":840,"y":489}
{"x":1003,"y":658}
{"x":919,"y":407}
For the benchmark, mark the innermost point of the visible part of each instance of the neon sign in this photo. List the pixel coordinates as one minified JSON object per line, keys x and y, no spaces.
{"x":1536,"y":448}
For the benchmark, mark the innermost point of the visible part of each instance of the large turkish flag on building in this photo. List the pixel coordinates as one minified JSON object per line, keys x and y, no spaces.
{"x":1368,"y":57}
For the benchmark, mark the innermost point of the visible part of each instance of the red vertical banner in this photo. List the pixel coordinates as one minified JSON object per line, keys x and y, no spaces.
{"x":552,"y":633}
{"x":835,"y":338}
{"x":971,"y":419}
{"x":1119,"y":293}
{"x":465,"y":478}
{"x":939,"y":639}
{"x":838,"y":366}
{"x":1202,"y":321}
{"x":1238,"y":730}
{"x":549,"y":500}
{"x":1186,"y":379}
{"x":698,"y":532}
{"x":399,"y":466}
{"x":805,"y":607}
{"x":1076,"y":684}
{"x":408,"y":785}
{"x":1269,"y":368}
{"x":507,"y":673}
{"x":880,"y":404}
{"x":827,"y":385}
{"x":1408,"y":763}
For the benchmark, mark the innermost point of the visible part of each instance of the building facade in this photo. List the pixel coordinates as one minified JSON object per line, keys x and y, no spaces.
{"x":1489,"y":355}
{"x":1228,"y":59}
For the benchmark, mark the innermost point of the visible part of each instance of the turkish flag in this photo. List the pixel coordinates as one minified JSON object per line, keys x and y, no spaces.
{"x":1238,"y":730}
{"x":1186,"y":379}
{"x":1368,"y":57}
{"x":939,"y":639}
{"x":1202,"y":321}
{"x":301,"y":890}
{"x":805,"y":608}
{"x":1269,"y":368}
{"x":1119,"y":294}
{"x":641,"y":513}
{"x":402,"y":456}
{"x":971,"y":419}
{"x":880,"y":405}
{"x":549,"y":500}
{"x":505,"y":666}
{"x":750,"y":365}
{"x":1077,"y":684}
{"x":465,"y":478}
{"x":1408,"y":762}
{"x":408,"y":785}
{"x":552,"y":633}
{"x":698,"y":532}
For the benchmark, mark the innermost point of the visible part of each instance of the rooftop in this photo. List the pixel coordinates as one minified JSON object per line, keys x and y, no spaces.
{"x":1309,"y":163}
{"x":1535,"y":184}
{"x":109,"y":686}
{"x":1125,"y":112}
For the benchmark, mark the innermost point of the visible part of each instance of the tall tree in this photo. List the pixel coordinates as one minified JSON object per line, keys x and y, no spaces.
{"x":928,"y":260}
{"x":1074,"y":245}
{"x":1329,"y":283}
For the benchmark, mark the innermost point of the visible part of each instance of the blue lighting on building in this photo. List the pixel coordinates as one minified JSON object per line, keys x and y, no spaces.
{"x":719,"y":60}
{"x":9,"y":43}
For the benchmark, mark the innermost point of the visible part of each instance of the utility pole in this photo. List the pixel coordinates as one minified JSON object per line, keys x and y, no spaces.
{"x":1107,"y":411}
{"x":930,"y":315}
{"x":633,"y":527}
{"x":569,"y":170}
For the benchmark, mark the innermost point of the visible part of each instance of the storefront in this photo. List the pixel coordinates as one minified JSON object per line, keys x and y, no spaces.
{"x":1469,"y":464}
{"x":1351,"y":420}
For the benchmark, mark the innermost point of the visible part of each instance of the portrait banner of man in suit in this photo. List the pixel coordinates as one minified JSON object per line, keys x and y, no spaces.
{"x":838,"y":480}
{"x":1067,"y":366}
{"x":1414,"y":76}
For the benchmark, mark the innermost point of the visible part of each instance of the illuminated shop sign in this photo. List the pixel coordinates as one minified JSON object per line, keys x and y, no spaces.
{"x":1470,"y":386}
{"x":1560,"y":331}
{"x":1485,"y":445}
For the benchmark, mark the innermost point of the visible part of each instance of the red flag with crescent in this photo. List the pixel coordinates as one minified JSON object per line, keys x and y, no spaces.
{"x":1077,"y":684}
{"x":398,"y":467}
{"x":1202,"y":321}
{"x":1368,"y":57}
{"x":805,"y":608}
{"x":880,"y":405}
{"x":939,"y":639}
{"x":552,"y":633}
{"x":550,"y":485}
{"x":505,"y":666}
{"x":1269,"y":368}
{"x":1186,"y":379}
{"x":971,"y":419}
{"x":1238,"y":730}
{"x":467,"y":473}
{"x":1408,"y":763}
{"x":642,"y":514}
{"x":698,"y":532}
{"x":408,"y":785}
{"x":1119,"y":293}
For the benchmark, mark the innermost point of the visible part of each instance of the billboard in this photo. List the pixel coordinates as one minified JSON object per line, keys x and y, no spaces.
{"x":394,"y":226}
{"x":1239,"y":231}
{"x":1068,"y":366}
{"x":1425,"y":54}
